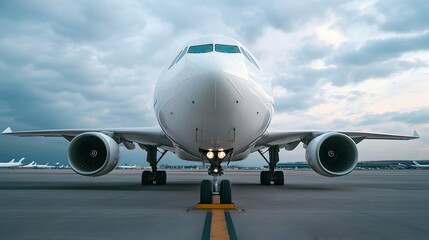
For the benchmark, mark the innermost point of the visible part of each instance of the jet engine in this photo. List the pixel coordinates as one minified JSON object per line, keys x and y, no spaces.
{"x":93,"y":154}
{"x":332,"y":154}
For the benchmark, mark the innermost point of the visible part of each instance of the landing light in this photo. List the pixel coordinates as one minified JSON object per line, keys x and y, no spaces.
{"x":210,"y":155}
{"x":215,"y":170}
{"x":221,"y":155}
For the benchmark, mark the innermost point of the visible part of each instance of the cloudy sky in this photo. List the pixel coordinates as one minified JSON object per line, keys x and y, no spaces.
{"x":360,"y":65}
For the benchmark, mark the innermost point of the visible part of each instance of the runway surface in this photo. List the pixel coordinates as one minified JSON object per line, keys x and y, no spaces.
{"x":59,"y":204}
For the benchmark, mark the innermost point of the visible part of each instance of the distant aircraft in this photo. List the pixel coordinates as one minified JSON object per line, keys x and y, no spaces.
{"x":418,"y":165}
{"x":30,"y":165}
{"x":399,"y":166}
{"x":46,"y":166}
{"x":128,"y":166}
{"x":213,"y":104}
{"x":12,"y":163}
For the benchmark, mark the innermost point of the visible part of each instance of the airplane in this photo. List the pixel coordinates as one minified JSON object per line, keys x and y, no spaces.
{"x":418,"y":165}
{"x":41,"y":166}
{"x":214,"y":105}
{"x":399,"y":166}
{"x":12,"y":163}
{"x":127,"y":166}
{"x":30,"y":165}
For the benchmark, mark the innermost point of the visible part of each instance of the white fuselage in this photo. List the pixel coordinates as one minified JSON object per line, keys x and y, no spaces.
{"x":213,"y":100}
{"x":12,"y":164}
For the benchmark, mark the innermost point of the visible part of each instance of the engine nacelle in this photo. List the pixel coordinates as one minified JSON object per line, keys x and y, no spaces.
{"x":93,"y":154}
{"x":332,"y":154}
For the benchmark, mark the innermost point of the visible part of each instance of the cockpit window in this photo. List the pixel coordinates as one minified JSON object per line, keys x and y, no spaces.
{"x":201,"y":48}
{"x":249,"y":57}
{"x":226,"y":48}
{"x":175,"y":59}
{"x":182,"y":54}
{"x":178,"y":57}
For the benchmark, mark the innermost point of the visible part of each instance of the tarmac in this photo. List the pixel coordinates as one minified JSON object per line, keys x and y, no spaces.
{"x":366,"y":204}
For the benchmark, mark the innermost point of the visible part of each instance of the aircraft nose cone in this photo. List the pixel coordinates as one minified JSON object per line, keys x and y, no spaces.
{"x":217,"y":94}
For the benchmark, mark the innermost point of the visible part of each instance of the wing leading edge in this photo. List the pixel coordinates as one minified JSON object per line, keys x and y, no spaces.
{"x":291,"y":139}
{"x":142,"y":136}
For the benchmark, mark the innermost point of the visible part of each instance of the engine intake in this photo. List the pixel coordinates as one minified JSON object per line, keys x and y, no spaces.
{"x":332,"y":154}
{"x":93,"y":154}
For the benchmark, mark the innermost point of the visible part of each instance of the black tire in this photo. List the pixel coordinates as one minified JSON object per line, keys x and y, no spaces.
{"x":147,"y":178}
{"x":279,"y":178}
{"x":164,"y":177}
{"x":225,"y":192}
{"x":206,"y":192}
{"x":265,"y":178}
{"x":161,"y":178}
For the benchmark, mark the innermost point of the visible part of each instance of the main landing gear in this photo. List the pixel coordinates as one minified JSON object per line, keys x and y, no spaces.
{"x":155,"y":176}
{"x":277,"y":177}
{"x":210,"y":188}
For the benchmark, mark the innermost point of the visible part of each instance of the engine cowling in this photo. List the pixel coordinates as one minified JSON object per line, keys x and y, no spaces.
{"x":332,"y":154}
{"x":93,"y":154}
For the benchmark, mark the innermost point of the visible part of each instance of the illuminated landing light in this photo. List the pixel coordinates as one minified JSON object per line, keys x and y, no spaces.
{"x":210,"y":155}
{"x":221,"y":154}
{"x":215,"y":170}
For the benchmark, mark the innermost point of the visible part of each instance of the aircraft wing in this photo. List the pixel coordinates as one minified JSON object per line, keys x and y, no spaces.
{"x":142,"y":136}
{"x":291,"y":139}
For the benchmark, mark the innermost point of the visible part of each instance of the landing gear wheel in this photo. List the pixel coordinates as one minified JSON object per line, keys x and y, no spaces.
{"x":147,"y":178}
{"x":265,"y":178}
{"x":225,"y":192}
{"x":161,"y":178}
{"x":164,"y":176}
{"x":206,"y":192}
{"x":279,"y":178}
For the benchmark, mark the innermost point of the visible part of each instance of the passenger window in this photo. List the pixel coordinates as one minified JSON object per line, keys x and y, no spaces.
{"x":226,"y":48}
{"x":201,"y":48}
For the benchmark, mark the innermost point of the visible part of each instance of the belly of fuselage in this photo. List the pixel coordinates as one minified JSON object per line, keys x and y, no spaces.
{"x":214,"y":111}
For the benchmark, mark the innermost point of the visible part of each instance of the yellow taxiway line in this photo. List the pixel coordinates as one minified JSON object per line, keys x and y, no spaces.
{"x":218,"y":229}
{"x":218,"y":224}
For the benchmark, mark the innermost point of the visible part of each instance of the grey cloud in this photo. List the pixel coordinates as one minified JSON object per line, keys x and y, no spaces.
{"x":309,"y":51}
{"x":349,"y":97}
{"x":404,"y":16}
{"x":383,"y":49}
{"x":63,"y":79}
{"x":417,"y":117}
{"x":346,"y":74}
{"x":300,"y":76}
{"x":295,"y":102}
{"x":247,"y":19}
{"x":77,"y":20}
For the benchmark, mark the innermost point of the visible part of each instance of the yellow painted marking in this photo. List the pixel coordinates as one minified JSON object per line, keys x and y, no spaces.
{"x":218,"y":228}
{"x":215,"y":206}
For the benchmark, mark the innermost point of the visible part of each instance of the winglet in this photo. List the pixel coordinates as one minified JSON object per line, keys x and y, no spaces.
{"x":416,"y":134}
{"x":7,"y":130}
